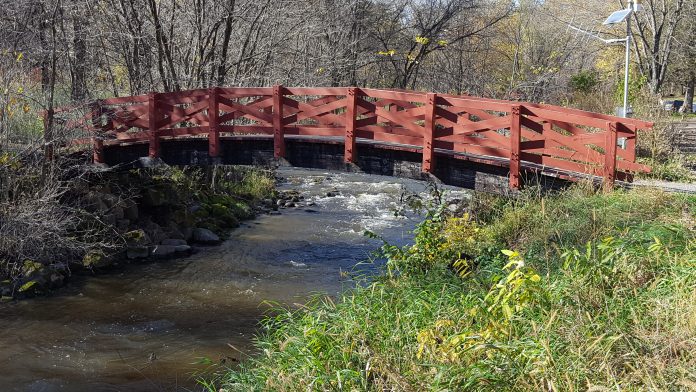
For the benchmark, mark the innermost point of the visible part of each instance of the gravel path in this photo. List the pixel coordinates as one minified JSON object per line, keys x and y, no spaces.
{"x":681,"y":187}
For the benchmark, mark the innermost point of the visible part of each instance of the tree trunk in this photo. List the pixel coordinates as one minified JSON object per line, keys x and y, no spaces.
{"x":222,"y":63}
{"x":689,"y":99}
{"x":78,"y":90}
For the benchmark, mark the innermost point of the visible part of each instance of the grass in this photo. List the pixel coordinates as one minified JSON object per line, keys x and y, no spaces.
{"x":598,"y":294}
{"x":673,"y":169}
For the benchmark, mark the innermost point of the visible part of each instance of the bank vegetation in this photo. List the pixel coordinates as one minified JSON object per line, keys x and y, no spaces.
{"x":577,"y":291}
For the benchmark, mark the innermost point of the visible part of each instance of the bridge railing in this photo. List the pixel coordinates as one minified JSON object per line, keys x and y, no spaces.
{"x":513,"y":134}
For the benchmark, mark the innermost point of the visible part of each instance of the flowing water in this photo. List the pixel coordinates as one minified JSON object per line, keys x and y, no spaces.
{"x":151,"y":326}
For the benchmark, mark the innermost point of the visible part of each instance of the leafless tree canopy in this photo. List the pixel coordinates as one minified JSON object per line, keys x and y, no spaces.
{"x":79,"y":49}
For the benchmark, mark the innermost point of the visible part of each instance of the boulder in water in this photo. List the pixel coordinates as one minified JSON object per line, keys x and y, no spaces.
{"x":137,"y":252}
{"x":174,"y":242}
{"x":205,"y":236}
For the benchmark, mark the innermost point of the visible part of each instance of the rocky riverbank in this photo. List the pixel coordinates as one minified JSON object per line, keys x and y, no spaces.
{"x":148,"y":214}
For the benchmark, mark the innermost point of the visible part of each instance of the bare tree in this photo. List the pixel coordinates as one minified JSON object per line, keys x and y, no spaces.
{"x":655,"y":28}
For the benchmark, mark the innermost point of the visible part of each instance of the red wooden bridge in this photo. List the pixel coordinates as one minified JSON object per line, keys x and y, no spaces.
{"x":563,"y":142}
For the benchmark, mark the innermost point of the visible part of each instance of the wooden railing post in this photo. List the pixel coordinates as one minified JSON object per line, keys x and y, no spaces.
{"x":152,"y":117}
{"x":351,"y":114}
{"x":515,"y":140}
{"x":278,"y":137}
{"x":213,"y":123}
{"x":610,"y":155}
{"x":429,"y":135}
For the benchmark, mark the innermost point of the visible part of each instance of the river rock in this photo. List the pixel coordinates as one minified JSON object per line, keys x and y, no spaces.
{"x":136,"y":237}
{"x":122,"y":224}
{"x":137,"y":252}
{"x":183,"y":249}
{"x":174,"y":242}
{"x":6,"y":288}
{"x":187,"y":232}
{"x":173,"y":231}
{"x":96,"y":259}
{"x":205,"y":236}
{"x":117,"y":211}
{"x":155,"y":232}
{"x":154,"y":197}
{"x":110,"y":200}
{"x":55,"y":280}
{"x":163,"y":251}
{"x":109,"y":219}
{"x":95,"y":202}
{"x":130,"y":210}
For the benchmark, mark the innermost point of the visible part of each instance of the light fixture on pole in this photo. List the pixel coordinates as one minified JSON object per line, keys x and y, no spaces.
{"x":618,"y":17}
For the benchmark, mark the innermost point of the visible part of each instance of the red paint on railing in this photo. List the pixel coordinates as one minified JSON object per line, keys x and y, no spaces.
{"x":487,"y":129}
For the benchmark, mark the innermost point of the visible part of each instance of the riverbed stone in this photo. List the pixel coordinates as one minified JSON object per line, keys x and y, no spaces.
{"x":110,"y":200}
{"x":130,"y":210}
{"x":137,"y":252}
{"x":109,"y":219}
{"x":154,"y":231}
{"x":187,"y":232}
{"x":174,"y":241}
{"x":6,"y":288}
{"x":122,"y":224}
{"x":94,"y":202}
{"x":117,"y":211}
{"x":96,"y":259}
{"x":136,"y":237}
{"x":183,"y":249}
{"x":55,"y":280}
{"x":163,"y":251}
{"x":154,"y":197}
{"x":205,"y":236}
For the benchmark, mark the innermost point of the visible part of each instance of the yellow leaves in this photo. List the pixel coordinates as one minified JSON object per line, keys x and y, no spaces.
{"x":20,"y":56}
{"x":439,"y":342}
{"x":320,"y":70}
{"x":390,"y":52}
{"x":15,"y":102}
{"x":442,"y":42}
{"x":491,"y":321}
{"x":422,"y":40}
{"x":462,"y":267}
{"x":8,"y":160}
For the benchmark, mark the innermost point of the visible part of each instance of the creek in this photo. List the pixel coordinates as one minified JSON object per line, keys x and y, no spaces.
{"x":153,"y":326}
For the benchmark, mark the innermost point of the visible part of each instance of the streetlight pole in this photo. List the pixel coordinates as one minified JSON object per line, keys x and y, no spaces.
{"x":619,"y":17}
{"x":628,"y":58}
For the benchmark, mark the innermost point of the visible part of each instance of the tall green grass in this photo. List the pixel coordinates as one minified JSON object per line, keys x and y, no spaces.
{"x":599,"y":294}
